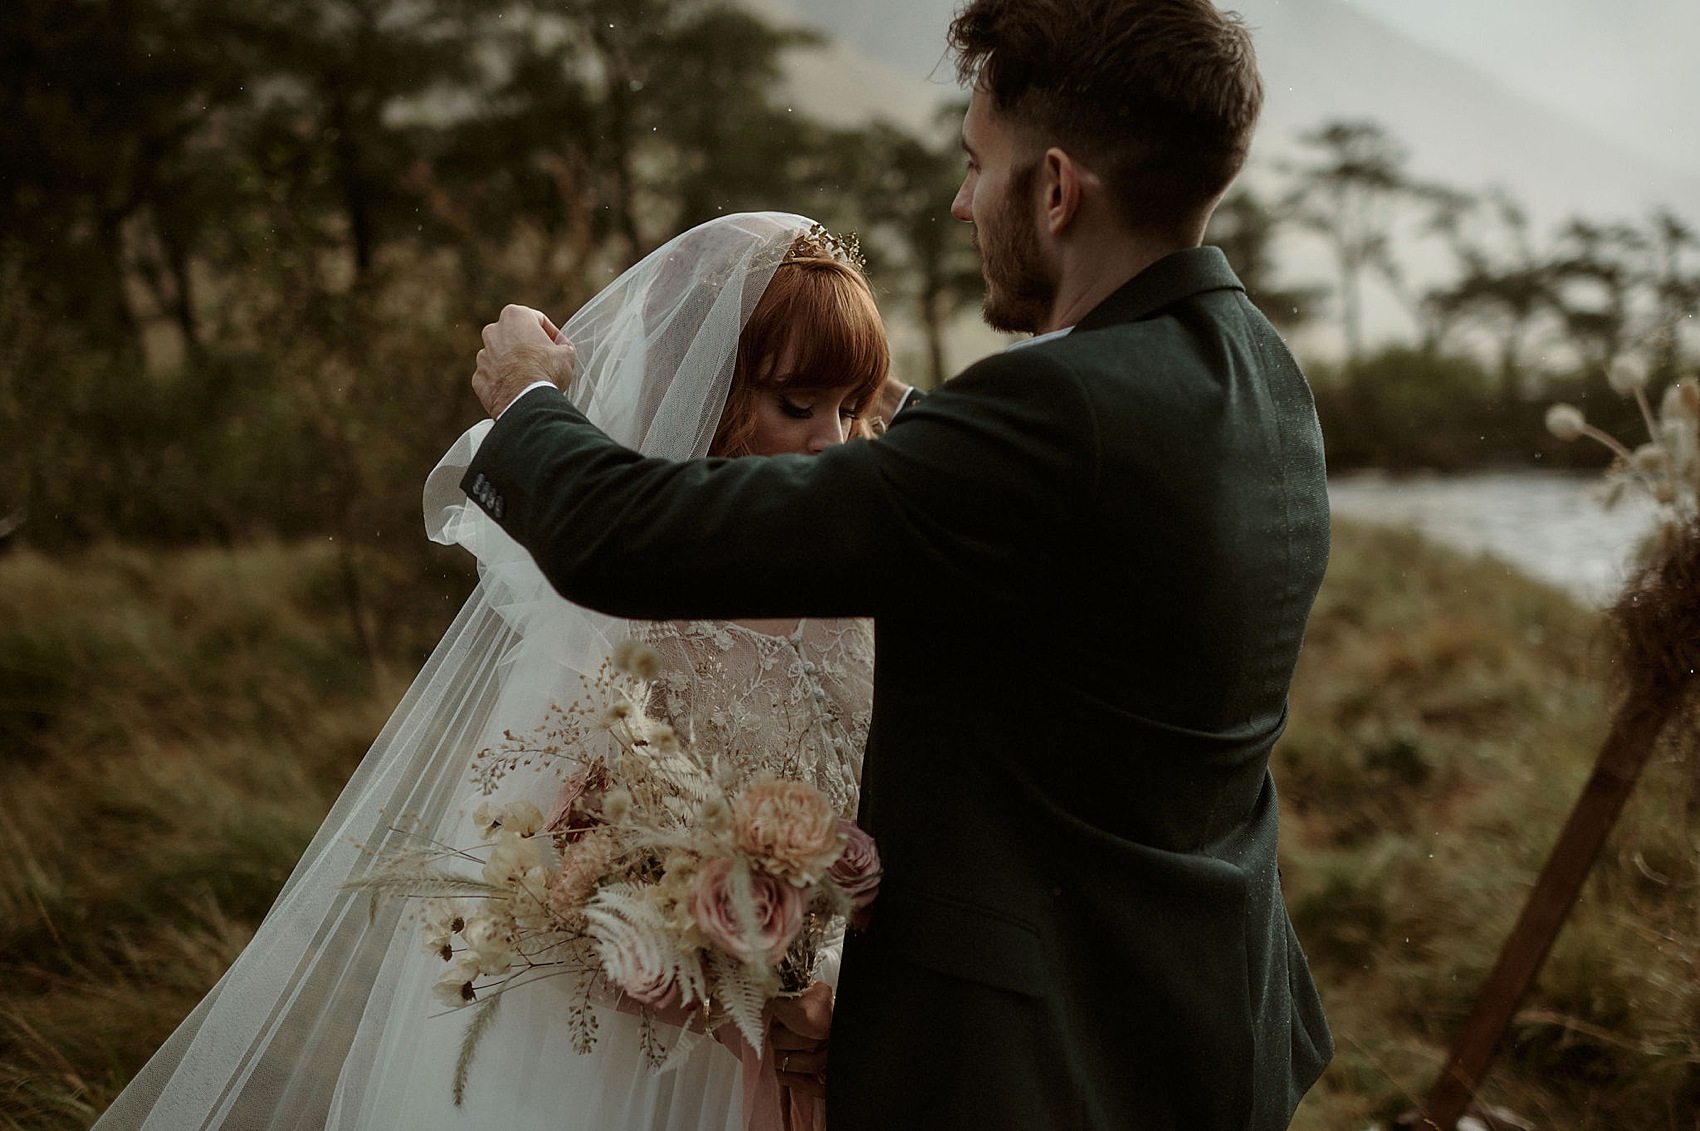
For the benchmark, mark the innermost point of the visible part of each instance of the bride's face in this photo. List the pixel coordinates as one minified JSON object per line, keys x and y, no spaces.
{"x":800,"y":420}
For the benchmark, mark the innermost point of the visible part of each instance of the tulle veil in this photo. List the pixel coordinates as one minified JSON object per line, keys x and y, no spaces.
{"x":294,"y":1035}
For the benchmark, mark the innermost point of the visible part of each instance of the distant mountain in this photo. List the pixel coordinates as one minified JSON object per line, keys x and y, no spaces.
{"x":1321,"y":59}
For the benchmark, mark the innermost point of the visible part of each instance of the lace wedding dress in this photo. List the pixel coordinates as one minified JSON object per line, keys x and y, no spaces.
{"x":326,"y":1020}
{"x":795,"y":705}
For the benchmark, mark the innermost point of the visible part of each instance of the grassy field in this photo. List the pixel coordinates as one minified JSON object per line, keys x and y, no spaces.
{"x":173,"y":725}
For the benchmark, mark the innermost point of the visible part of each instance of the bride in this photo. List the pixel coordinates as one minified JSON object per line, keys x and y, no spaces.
{"x":751,"y":334}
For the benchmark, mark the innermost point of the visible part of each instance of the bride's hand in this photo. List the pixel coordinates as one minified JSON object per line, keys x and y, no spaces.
{"x":519,"y":350}
{"x":801,"y":1026}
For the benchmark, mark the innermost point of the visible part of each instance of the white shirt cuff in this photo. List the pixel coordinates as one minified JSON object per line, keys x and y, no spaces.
{"x":527,"y":389}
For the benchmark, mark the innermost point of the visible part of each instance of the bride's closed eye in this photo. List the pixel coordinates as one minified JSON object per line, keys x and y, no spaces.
{"x":805,"y":411}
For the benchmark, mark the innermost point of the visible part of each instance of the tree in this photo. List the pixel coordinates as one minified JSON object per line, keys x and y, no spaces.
{"x":106,"y":101}
{"x":709,"y":100}
{"x":906,"y":185}
{"x":1349,"y":196}
{"x":1595,"y":275}
{"x":1676,"y":290}
{"x":1246,"y":228}
{"x":1504,"y":284}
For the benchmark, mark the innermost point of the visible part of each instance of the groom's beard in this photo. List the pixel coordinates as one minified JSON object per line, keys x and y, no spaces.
{"x":1019,"y":288}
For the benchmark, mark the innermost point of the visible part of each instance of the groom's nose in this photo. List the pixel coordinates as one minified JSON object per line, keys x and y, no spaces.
{"x":961,"y":206}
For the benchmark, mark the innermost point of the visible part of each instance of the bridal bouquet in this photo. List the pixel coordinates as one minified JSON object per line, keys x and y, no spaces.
{"x":655,"y":877}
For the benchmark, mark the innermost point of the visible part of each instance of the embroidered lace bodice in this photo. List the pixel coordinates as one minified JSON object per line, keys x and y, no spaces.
{"x":795,"y":706}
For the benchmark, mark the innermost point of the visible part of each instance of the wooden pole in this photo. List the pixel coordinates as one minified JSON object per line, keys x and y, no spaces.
{"x":1635,"y":729}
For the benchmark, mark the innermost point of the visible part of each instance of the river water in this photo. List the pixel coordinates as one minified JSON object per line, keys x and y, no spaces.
{"x":1550,"y":525}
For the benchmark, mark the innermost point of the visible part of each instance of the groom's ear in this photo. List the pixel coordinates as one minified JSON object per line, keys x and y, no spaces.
{"x":1063,"y":182}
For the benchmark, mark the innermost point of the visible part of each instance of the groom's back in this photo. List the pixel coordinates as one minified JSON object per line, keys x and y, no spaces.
{"x":1068,"y":781}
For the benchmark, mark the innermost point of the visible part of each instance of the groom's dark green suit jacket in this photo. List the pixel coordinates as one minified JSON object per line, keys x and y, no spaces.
{"x":1090,"y":562}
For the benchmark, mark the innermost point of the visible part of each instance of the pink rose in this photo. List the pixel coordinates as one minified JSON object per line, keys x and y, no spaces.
{"x":857,"y":870}
{"x":776,"y":909}
{"x":789,"y":827}
{"x":661,"y":993}
{"x":578,"y":804}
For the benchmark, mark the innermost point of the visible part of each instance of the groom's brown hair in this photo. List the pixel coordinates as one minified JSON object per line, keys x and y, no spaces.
{"x":1158,"y":97}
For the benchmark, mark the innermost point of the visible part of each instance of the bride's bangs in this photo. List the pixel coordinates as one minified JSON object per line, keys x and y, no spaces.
{"x":825,"y":310}
{"x":826,"y":313}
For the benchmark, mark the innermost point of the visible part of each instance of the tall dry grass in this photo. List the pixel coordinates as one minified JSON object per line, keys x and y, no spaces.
{"x":1445,"y":715}
{"x":172,"y":727}
{"x":174,"y":724}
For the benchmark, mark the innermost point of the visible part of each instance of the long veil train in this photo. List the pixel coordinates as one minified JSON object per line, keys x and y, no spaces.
{"x":299,"y":1034}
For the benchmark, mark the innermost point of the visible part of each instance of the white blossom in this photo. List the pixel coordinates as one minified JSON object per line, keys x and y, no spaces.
{"x":522,"y":817}
{"x":454,"y":988}
{"x":443,"y":919}
{"x":490,"y":943}
{"x":529,"y":905}
{"x":513,"y":857}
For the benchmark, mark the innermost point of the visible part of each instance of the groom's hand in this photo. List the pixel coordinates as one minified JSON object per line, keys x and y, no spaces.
{"x":519,"y":351}
{"x":800,"y":1028}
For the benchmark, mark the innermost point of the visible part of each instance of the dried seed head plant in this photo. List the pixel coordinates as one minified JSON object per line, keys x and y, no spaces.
{"x":1657,"y":616}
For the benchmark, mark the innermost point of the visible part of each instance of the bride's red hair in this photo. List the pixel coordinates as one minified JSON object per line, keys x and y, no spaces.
{"x":824,"y":308}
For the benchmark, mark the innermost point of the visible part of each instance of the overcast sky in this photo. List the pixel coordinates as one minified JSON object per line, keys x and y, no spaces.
{"x":1630,"y":68}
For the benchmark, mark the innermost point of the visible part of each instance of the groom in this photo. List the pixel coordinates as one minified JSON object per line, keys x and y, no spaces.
{"x":1090,"y":561}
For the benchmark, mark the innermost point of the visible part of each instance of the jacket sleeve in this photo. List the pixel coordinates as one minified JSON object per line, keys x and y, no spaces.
{"x":968,"y":497}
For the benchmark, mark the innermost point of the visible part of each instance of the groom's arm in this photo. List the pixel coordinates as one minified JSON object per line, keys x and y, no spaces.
{"x":969,"y":496}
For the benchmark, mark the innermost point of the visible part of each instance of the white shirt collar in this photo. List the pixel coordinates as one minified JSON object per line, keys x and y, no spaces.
{"x":1033,"y":341}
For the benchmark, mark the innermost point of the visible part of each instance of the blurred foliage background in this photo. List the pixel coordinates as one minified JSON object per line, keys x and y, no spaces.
{"x":245,"y":250}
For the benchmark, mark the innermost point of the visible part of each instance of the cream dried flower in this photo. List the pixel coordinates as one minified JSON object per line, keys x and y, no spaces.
{"x":487,"y":818}
{"x":490,"y":943}
{"x":454,"y":989}
{"x":716,"y":815}
{"x":617,"y":806}
{"x":664,"y":738}
{"x":521,"y":817}
{"x":512,"y":858}
{"x":529,"y":904}
{"x":1681,"y":401}
{"x":1566,"y":422}
{"x":1651,"y":460}
{"x":1627,"y":376}
{"x":636,"y":658}
{"x":443,"y":919}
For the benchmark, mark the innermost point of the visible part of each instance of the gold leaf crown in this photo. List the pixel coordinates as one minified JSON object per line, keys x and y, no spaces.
{"x":818,"y":243}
